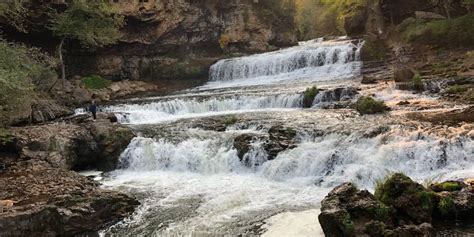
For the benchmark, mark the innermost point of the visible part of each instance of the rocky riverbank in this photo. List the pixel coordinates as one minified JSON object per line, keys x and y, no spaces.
{"x":400,"y":207}
{"x":37,"y":164}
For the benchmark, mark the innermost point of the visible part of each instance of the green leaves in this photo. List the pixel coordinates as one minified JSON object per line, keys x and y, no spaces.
{"x":94,"y":24}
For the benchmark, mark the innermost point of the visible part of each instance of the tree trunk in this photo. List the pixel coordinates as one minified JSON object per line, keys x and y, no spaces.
{"x":61,"y":62}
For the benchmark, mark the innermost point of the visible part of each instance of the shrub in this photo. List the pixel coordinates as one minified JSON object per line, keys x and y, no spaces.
{"x":451,"y":186}
{"x":456,"y":89}
{"x":5,"y":137}
{"x":22,"y":71}
{"x":309,"y":95}
{"x":368,"y":105}
{"x":417,"y":82}
{"x":224,"y":41}
{"x":448,"y":32}
{"x":95,"y":82}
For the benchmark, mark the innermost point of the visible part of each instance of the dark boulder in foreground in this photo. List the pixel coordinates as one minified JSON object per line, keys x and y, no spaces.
{"x":400,"y":207}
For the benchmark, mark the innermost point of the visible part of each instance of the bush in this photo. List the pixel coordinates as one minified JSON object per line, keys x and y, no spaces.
{"x":95,"y":82}
{"x":5,"y":137}
{"x":447,"y":32}
{"x":224,"y":41}
{"x":309,"y":95}
{"x":22,"y":71}
{"x":456,"y":89}
{"x":368,"y":105}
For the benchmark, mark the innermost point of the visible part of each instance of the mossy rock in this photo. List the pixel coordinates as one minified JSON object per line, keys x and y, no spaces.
{"x":368,"y":105}
{"x":407,"y":197}
{"x":375,"y":228}
{"x":448,"y":186}
{"x":337,"y":224}
{"x":309,"y":95}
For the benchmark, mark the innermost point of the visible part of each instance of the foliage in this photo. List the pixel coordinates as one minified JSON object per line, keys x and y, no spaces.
{"x":417,"y":82}
{"x":230,"y":120}
{"x":451,"y":186}
{"x":93,"y":23}
{"x":5,"y":137}
{"x":317,"y":18}
{"x":95,"y":82}
{"x":446,"y":206}
{"x":447,"y":32}
{"x":21,"y":68}
{"x":15,"y":14}
{"x":224,"y":41}
{"x":456,"y":89}
{"x":374,"y":228}
{"x":368,"y":105}
{"x":309,"y":95}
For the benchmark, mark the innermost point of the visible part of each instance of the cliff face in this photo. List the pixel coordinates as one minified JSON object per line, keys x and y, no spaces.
{"x":180,"y":39}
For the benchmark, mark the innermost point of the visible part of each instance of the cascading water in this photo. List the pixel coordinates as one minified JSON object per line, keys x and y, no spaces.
{"x":185,"y":168}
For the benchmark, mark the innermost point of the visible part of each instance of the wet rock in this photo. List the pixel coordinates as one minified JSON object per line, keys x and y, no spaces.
{"x":368,"y":80}
{"x":347,"y":211}
{"x":424,"y":229}
{"x":280,"y":139}
{"x":243,"y":144}
{"x":401,"y":103}
{"x":57,"y":202}
{"x":453,"y":117}
{"x":403,"y":75}
{"x":409,"y":198}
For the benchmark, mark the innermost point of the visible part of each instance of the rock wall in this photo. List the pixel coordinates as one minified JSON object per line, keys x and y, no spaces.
{"x":180,"y":39}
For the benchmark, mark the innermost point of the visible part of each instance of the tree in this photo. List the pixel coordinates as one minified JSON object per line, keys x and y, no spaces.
{"x":92,"y":23}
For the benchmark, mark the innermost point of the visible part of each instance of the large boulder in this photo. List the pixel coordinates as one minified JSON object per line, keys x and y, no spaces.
{"x":347,"y":211}
{"x":403,"y":75}
{"x":92,"y":144}
{"x":409,"y":198}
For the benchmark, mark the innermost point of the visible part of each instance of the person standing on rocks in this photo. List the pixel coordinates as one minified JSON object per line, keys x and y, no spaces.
{"x":93,"y":109}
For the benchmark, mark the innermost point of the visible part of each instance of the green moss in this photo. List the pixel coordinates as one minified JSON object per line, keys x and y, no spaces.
{"x":95,"y":82}
{"x":5,"y":137}
{"x":446,"y":206}
{"x":457,"y":89}
{"x":230,"y":120}
{"x":309,"y":95}
{"x":374,"y":228}
{"x":368,"y":105}
{"x":447,"y":32}
{"x":451,"y":186}
{"x":348,"y":225}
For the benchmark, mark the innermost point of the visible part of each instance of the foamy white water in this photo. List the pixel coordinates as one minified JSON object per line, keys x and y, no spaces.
{"x":191,"y":181}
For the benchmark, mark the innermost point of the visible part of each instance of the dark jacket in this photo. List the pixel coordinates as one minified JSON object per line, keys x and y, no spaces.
{"x":93,"y":108}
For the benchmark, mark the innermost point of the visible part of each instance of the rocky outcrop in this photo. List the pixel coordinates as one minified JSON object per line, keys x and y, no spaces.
{"x":56,"y":202}
{"x":180,"y":39}
{"x":400,"y":207}
{"x":92,"y":144}
{"x":279,"y":138}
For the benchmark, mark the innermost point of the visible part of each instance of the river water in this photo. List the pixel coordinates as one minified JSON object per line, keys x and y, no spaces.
{"x":185,"y":170}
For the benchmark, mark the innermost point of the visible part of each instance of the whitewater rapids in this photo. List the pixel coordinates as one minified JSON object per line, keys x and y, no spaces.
{"x":191,"y":182}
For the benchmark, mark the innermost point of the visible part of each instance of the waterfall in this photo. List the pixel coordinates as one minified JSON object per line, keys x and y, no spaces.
{"x":310,"y":55}
{"x":169,"y":109}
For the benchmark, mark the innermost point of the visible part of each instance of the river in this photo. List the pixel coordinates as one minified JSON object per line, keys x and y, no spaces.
{"x":185,"y":170}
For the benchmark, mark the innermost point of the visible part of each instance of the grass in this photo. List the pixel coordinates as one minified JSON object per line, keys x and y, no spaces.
{"x":95,"y":82}
{"x":417,"y":82}
{"x":309,"y":95}
{"x":368,"y":105}
{"x":447,"y":32}
{"x":446,"y":206}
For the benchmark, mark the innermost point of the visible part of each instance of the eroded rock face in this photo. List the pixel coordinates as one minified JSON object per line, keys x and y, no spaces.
{"x":74,"y":146}
{"x":180,"y":39}
{"x":57,"y":202}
